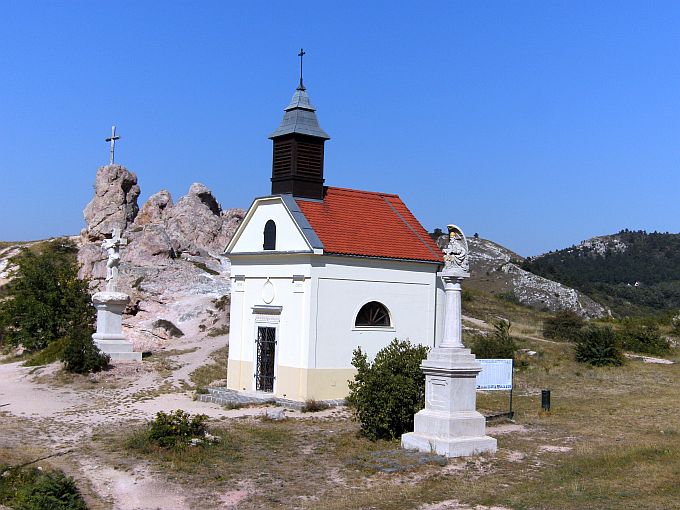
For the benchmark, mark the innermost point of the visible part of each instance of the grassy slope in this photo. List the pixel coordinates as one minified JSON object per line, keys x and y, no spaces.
{"x":618,"y":427}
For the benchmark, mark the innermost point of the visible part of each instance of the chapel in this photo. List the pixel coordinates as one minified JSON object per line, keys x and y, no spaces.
{"x":318,"y":271}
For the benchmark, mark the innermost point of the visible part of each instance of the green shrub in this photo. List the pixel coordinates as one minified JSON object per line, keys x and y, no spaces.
{"x":509,"y":297}
{"x":35,"y":489}
{"x":176,"y":429}
{"x":565,"y":325}
{"x":81,"y":355}
{"x":599,"y":346}
{"x":313,"y":406}
{"x":498,"y":344}
{"x":46,"y":299}
{"x":643,"y":338}
{"x":385,"y":394}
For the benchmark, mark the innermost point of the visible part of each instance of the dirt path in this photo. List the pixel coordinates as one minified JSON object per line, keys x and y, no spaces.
{"x":41,"y":408}
{"x":483,"y":325}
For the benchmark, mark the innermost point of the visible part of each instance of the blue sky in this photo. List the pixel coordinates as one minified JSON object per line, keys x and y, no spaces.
{"x":536,"y":124}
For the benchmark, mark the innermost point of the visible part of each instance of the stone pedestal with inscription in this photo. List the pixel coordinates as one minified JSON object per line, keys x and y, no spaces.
{"x":450,"y":424}
{"x":110,"y":306}
{"x":109,"y":336}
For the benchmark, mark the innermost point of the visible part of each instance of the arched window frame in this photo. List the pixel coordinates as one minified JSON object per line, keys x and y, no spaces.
{"x":269,"y":236}
{"x":388,"y":326}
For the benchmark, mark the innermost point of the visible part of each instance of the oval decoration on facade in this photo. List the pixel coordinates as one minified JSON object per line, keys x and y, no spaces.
{"x":268,"y":292}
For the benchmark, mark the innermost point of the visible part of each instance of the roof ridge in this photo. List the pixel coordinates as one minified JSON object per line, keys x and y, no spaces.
{"x":408,"y":224}
{"x":379,"y":193}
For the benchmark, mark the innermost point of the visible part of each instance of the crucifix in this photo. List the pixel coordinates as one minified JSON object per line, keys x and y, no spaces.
{"x":301,"y":54}
{"x":112,"y":247}
{"x":112,"y":141}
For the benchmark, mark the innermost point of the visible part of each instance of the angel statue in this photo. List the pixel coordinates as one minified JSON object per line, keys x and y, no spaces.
{"x":456,"y":252}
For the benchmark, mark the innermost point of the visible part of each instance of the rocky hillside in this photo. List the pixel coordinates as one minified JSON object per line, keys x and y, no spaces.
{"x":497,"y":270}
{"x":632,"y":272}
{"x":172,"y":266}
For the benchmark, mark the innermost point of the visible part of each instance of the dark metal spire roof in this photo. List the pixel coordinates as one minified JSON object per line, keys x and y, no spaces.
{"x":300,"y":117}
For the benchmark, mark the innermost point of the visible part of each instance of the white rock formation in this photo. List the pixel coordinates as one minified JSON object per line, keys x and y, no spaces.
{"x":172,"y":267}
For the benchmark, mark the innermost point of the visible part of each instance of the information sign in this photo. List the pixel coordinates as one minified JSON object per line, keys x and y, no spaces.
{"x":496,"y":374}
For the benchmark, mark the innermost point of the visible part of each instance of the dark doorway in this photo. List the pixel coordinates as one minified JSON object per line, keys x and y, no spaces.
{"x":266,"y":348}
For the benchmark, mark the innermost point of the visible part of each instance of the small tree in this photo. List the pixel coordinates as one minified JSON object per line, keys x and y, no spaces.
{"x":637,"y":336}
{"x":81,"y":355}
{"x":387,"y":393}
{"x":599,"y":346}
{"x":565,"y":325}
{"x":498,"y":344}
{"x":46,"y":298}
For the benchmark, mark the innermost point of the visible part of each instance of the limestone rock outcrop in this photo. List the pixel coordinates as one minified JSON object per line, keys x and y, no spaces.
{"x":496,"y":269}
{"x":172,"y":267}
{"x":198,"y":222}
{"x":154,"y":210}
{"x":114,"y":203}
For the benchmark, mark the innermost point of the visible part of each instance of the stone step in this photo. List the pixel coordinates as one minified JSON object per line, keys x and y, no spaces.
{"x":111,"y":346}
{"x":125,"y":356}
{"x":224,"y":396}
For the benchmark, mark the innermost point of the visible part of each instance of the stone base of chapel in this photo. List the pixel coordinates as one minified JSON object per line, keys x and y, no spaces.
{"x":293,"y":383}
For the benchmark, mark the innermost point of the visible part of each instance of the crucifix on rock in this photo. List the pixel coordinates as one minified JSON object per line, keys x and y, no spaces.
{"x":112,"y":140}
{"x":112,"y":247}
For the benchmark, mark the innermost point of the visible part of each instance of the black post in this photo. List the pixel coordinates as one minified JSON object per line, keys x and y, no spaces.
{"x":545,"y":400}
{"x":512,"y":384}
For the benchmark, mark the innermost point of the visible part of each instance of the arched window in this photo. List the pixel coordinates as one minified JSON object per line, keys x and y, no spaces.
{"x":373,"y":314}
{"x":269,"y":235}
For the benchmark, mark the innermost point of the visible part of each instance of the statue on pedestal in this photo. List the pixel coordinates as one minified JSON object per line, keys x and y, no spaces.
{"x":450,"y":424}
{"x":110,"y":306}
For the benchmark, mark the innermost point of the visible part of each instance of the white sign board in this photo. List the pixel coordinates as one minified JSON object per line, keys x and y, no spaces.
{"x":496,"y":374}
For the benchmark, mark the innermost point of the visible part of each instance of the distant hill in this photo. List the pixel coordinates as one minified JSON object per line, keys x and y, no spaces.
{"x":631,"y":272}
{"x":496,"y":270}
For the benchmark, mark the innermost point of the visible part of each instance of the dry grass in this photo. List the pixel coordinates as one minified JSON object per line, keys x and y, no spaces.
{"x":612,"y":440}
{"x":205,"y":375}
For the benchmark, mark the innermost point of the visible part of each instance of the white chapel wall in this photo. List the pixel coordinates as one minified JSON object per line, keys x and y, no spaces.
{"x":288,"y":236}
{"x":408,"y":290}
{"x":293,"y":324}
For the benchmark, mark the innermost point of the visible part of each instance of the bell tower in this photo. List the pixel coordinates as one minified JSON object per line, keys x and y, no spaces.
{"x":298,"y":151}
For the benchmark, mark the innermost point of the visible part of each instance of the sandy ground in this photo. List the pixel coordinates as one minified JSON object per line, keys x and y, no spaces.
{"x":40,"y":409}
{"x":43,"y":413}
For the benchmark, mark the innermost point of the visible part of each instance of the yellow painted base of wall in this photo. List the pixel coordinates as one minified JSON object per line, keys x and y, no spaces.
{"x":240,"y":375}
{"x":294,"y":383}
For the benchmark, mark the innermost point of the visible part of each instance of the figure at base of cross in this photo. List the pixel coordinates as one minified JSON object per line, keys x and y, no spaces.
{"x":112,"y":247}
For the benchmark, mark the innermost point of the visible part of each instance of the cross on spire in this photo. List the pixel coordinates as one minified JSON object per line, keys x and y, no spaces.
{"x":301,"y":54}
{"x":112,"y":141}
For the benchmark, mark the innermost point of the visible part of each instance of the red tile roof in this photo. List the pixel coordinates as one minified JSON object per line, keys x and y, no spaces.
{"x":363,"y":223}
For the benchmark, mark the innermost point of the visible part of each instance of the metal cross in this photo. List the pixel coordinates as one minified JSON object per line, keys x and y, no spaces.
{"x":301,"y":54}
{"x":112,"y":141}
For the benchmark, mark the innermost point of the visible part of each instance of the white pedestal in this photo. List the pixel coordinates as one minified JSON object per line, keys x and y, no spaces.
{"x":109,"y":336}
{"x":450,"y":424}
